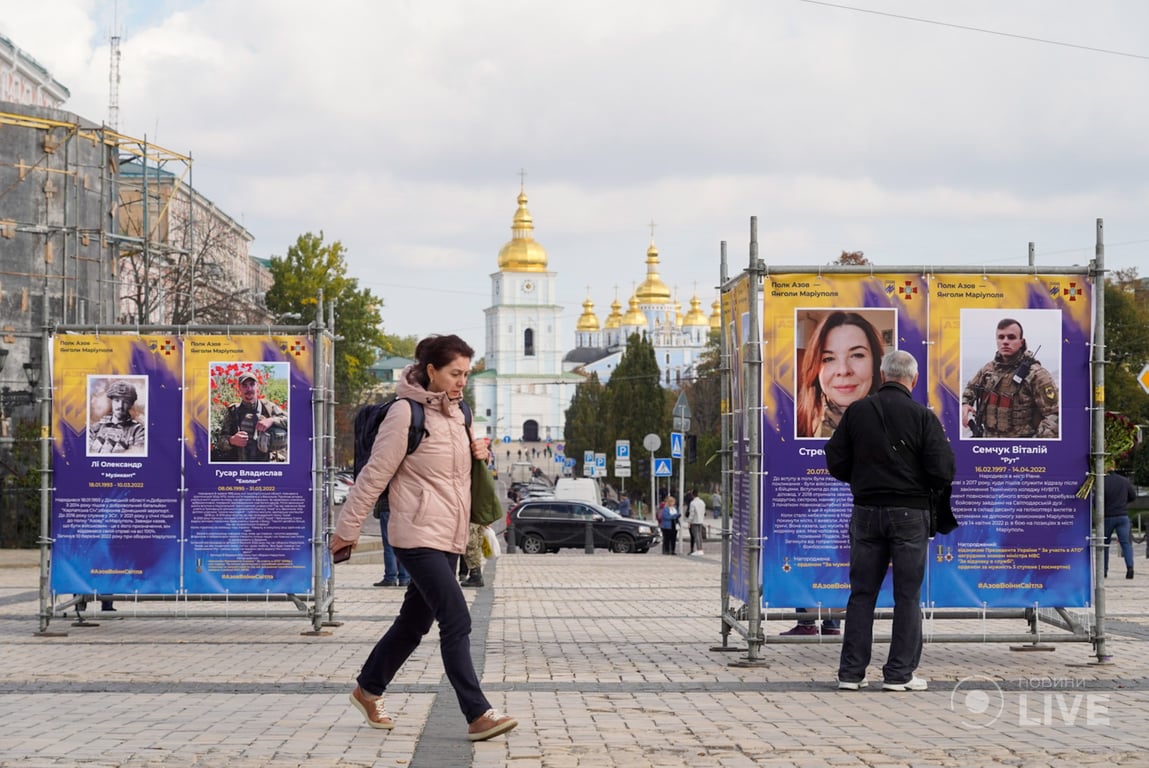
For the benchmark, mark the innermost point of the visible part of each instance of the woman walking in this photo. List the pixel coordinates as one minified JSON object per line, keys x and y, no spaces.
{"x":430,"y":495}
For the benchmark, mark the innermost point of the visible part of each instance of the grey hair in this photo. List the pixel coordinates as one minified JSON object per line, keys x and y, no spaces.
{"x":899,"y":365}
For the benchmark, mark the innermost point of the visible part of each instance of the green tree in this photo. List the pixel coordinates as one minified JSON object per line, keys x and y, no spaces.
{"x":1127,"y":352}
{"x":585,"y":429}
{"x":311,"y":266}
{"x":704,"y":393}
{"x":635,"y":404}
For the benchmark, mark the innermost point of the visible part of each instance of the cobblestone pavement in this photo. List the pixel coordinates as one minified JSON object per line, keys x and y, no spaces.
{"x":606,"y":660}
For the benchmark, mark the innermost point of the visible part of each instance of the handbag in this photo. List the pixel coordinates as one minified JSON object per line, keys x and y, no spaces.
{"x":486,"y":506}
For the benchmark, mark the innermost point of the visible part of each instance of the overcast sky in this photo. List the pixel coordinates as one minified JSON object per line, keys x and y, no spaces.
{"x":400,"y":128}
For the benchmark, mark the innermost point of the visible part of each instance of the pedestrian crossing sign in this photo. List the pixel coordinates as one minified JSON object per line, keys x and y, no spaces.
{"x":662,"y":468}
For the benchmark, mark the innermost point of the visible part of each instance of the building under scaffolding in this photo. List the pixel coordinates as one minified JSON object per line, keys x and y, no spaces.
{"x":98,"y":228}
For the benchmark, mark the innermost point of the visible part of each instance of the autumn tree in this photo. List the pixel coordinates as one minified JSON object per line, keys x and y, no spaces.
{"x":312,"y":266}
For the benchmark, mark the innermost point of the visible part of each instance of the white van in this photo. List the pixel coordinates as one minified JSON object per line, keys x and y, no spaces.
{"x":578,"y":489}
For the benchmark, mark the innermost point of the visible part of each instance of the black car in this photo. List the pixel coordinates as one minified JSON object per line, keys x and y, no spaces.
{"x":548,"y":525}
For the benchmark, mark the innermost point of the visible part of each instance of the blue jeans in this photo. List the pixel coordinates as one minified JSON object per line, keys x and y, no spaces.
{"x":434,"y":595}
{"x":1120,"y":526}
{"x":879,"y":535}
{"x":392,"y":570}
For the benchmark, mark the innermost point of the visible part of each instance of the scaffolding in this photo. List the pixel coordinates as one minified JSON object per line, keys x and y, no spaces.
{"x":743,"y":475}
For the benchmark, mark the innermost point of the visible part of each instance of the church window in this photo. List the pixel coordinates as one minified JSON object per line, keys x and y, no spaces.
{"x":529,"y":342}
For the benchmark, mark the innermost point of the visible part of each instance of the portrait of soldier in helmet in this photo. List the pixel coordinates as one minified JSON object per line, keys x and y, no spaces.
{"x":115,"y":425}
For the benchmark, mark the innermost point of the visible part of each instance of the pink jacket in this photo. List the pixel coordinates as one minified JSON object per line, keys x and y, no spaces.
{"x":430,"y":489}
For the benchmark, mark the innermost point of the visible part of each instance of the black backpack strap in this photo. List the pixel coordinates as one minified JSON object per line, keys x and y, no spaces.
{"x":417,"y":429}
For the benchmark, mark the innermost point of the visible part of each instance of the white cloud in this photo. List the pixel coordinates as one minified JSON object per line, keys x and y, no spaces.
{"x":398,"y":128}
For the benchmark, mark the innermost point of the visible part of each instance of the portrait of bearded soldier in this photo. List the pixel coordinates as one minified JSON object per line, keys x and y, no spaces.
{"x":118,"y":431}
{"x":1013,"y":395}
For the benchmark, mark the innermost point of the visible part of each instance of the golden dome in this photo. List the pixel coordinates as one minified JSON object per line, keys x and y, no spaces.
{"x":652,"y":290}
{"x":522,"y":253}
{"x":695,"y":316}
{"x":716,"y":316}
{"x":587,"y":321}
{"x":634,"y":315}
{"x":614,"y":319}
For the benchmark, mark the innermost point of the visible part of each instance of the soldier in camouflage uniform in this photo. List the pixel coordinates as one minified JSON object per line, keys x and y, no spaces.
{"x":473,"y":558}
{"x":118,"y":432}
{"x":1012,"y":396}
{"x":249,"y":426}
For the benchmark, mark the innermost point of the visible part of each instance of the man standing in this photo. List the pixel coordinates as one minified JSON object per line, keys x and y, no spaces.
{"x":118,"y":432}
{"x":893,"y":452}
{"x":1119,"y":494}
{"x":1012,"y":395}
{"x":696,"y":516}
{"x":254,"y":429}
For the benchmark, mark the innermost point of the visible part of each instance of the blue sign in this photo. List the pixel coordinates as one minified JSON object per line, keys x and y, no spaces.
{"x":600,"y":460}
{"x":662,"y":467}
{"x":506,"y":438}
{"x":622,"y":449}
{"x":676,"y":445}
{"x":588,"y":457}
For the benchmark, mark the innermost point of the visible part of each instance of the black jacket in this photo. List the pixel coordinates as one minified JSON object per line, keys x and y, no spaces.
{"x":862,"y":454}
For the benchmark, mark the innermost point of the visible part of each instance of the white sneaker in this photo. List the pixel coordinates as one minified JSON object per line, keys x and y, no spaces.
{"x":845,"y":685}
{"x":915,"y":684}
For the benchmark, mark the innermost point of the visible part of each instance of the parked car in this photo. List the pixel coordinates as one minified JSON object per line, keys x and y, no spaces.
{"x":548,"y":525}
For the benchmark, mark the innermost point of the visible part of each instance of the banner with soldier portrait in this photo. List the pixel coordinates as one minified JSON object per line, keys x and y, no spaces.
{"x":116,"y":464}
{"x":182,"y":464}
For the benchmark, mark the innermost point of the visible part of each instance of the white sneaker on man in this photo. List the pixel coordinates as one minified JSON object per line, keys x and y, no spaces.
{"x":915,"y":683}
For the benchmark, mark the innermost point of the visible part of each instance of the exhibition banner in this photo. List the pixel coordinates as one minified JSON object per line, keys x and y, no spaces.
{"x":1021,"y":437}
{"x":248,"y":430}
{"x":825,"y":336}
{"x":736,"y":326}
{"x":1003,"y":361}
{"x":182,"y":465}
{"x":116,"y":447}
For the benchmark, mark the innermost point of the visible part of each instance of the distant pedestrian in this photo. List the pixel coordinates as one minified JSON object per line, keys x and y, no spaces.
{"x":624,"y":505}
{"x":696,"y":517}
{"x":716,"y":504}
{"x":668,"y":515}
{"x":1119,"y":494}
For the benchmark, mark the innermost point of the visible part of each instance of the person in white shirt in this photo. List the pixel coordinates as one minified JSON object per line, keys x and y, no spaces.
{"x":696,"y":517}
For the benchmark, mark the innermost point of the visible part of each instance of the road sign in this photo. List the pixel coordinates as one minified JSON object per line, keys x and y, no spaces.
{"x":651,"y":442}
{"x":662,"y":468}
{"x":506,"y":438}
{"x":621,"y":470}
{"x":588,"y":457}
{"x":622,"y":449}
{"x":676,"y":445}
{"x":1143,"y":378}
{"x":600,"y":461}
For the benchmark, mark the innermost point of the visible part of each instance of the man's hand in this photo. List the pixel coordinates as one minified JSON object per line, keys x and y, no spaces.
{"x":338,"y":543}
{"x":238,"y":440}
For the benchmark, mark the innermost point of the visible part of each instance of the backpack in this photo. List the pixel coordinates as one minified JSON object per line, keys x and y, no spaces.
{"x":367,"y":422}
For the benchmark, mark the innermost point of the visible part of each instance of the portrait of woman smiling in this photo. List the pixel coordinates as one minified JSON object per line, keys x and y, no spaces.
{"x":839,"y":366}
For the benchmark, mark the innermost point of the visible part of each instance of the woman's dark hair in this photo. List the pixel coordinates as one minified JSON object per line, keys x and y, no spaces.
{"x":439,"y":351}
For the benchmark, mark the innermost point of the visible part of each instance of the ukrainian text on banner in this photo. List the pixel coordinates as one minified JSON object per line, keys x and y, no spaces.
{"x":1022,"y":441}
{"x":736,"y":326}
{"x":824,"y":338}
{"x":116,"y":464}
{"x":248,"y":431}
